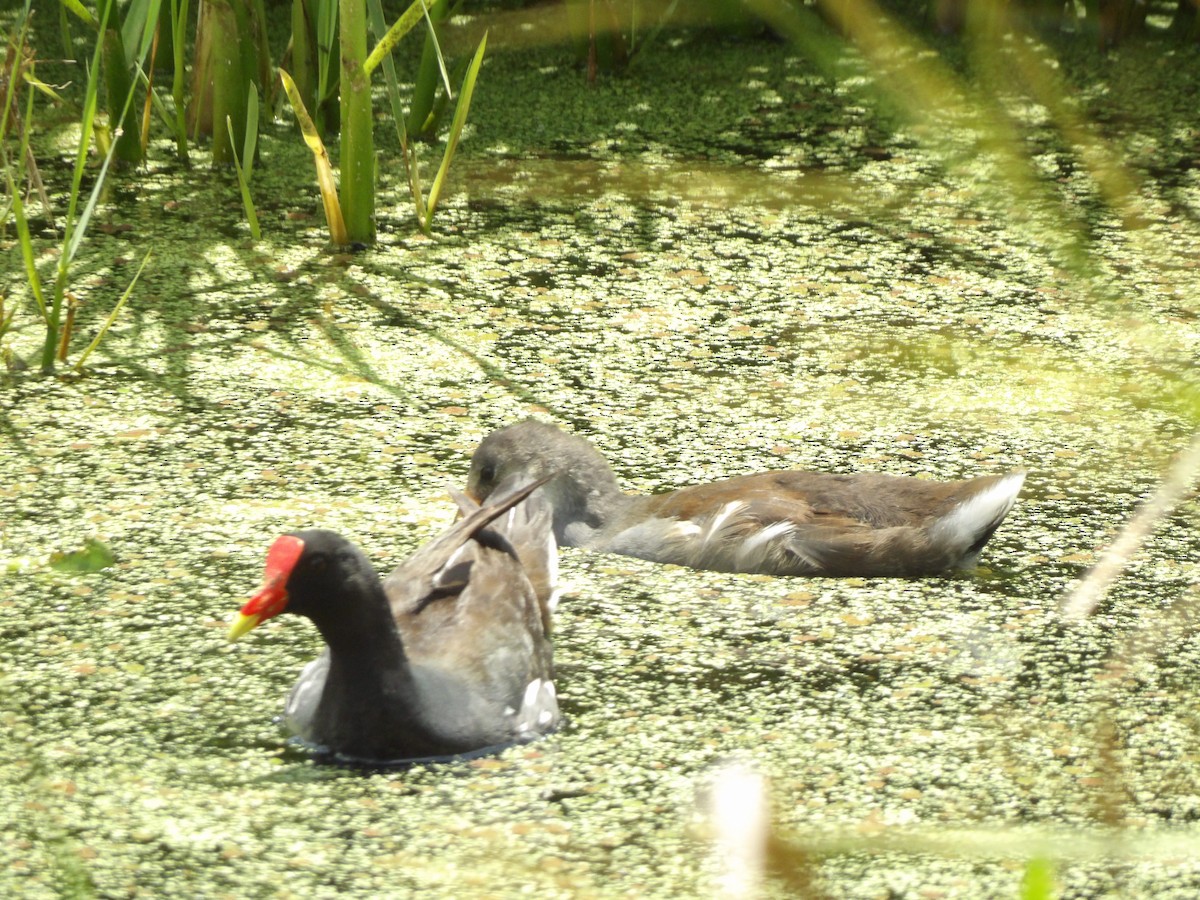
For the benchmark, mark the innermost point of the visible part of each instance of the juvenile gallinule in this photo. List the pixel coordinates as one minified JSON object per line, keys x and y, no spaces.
{"x":775,"y":523}
{"x":450,"y":654}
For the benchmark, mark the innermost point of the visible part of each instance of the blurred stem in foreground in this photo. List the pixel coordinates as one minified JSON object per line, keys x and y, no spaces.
{"x":1082,"y":601}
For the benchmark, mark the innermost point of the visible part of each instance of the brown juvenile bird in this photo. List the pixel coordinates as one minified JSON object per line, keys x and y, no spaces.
{"x":774,"y":523}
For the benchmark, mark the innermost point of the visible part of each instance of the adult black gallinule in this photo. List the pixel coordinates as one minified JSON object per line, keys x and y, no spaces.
{"x":775,"y":523}
{"x":450,"y":654}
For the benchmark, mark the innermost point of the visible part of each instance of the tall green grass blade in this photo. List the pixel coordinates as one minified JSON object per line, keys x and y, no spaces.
{"x":414,"y":183}
{"x":244,"y":172}
{"x":14,"y":180}
{"x":27,"y":255}
{"x":407,"y":21}
{"x":251,"y":145}
{"x":440,"y":7}
{"x":438,"y":112}
{"x":357,"y":157}
{"x":80,"y":10}
{"x":87,"y":125}
{"x":73,"y":229}
{"x":112,"y":316}
{"x":15,"y":77}
{"x":179,"y":21}
{"x":327,"y":41}
{"x":85,"y":216}
{"x":159,"y":106}
{"x":456,"y":127}
{"x":244,"y":186}
{"x":420,"y":102}
{"x":378,"y":27}
{"x":137,"y":31}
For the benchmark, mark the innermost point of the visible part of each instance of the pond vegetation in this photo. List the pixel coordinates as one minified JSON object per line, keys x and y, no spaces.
{"x":852,"y":244}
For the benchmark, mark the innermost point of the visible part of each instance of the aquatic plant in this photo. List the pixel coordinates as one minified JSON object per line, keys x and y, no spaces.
{"x":426,"y":204}
{"x":245,"y":165}
{"x":312,"y":62}
{"x":357,"y":158}
{"x":231,"y":54}
{"x":56,"y":305}
{"x":424,"y":103}
{"x":349,"y":212}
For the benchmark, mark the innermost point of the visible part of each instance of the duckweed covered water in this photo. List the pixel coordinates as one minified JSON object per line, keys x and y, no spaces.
{"x":698,"y":312}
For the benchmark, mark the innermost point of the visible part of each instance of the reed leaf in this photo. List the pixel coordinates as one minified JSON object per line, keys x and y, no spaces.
{"x":138,"y":29}
{"x":456,"y":128}
{"x":325,"y":179}
{"x":85,"y":217}
{"x":407,"y":21}
{"x":159,"y":106}
{"x":179,"y":20}
{"x":26,"y":241}
{"x":251,"y":146}
{"x":379,"y":26}
{"x":327,"y":26}
{"x":430,"y":70}
{"x":74,"y":229}
{"x":245,"y":171}
{"x":244,"y":186}
{"x":80,"y":10}
{"x":112,"y":316}
{"x":441,"y":60}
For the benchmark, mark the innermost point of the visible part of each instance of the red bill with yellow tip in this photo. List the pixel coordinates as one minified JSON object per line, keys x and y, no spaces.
{"x":272,"y":597}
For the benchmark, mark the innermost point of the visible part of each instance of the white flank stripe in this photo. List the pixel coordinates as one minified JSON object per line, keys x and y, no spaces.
{"x":732,"y":508}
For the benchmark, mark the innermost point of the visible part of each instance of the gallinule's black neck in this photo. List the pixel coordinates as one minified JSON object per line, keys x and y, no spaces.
{"x":775,"y":523}
{"x":451,"y":654}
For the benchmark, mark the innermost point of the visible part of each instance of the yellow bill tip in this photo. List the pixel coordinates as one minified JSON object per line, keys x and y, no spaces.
{"x":241,"y":624}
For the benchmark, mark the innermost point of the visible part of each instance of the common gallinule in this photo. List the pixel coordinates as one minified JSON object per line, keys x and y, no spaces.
{"x":775,"y":523}
{"x":450,"y":654}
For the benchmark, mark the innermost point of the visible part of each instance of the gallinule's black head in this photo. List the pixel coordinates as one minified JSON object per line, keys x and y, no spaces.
{"x":776,"y":523}
{"x":451,"y":654}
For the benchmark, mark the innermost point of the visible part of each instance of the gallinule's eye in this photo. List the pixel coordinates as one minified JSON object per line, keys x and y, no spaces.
{"x":487,"y":473}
